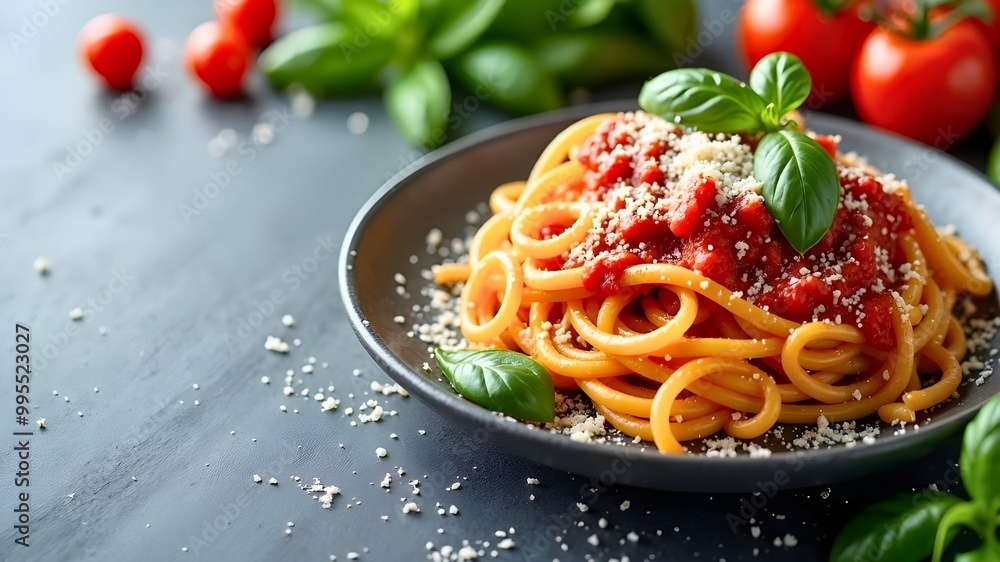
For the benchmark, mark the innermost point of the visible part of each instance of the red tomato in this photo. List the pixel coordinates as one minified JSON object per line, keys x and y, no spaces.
{"x":934,"y":90}
{"x":218,"y":56}
{"x":112,"y":46}
{"x":826,"y":44}
{"x":253,"y":18}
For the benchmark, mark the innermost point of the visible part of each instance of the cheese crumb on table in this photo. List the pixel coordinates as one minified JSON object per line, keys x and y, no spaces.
{"x":275,"y":344}
{"x":288,"y":320}
{"x":329,"y":404}
{"x":357,"y":122}
{"x":42,"y":265}
{"x":381,"y":452}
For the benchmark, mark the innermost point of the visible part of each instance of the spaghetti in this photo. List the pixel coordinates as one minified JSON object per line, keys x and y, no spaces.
{"x":638,"y":264}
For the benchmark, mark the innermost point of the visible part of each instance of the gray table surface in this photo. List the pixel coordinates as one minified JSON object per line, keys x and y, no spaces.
{"x":188,"y":298}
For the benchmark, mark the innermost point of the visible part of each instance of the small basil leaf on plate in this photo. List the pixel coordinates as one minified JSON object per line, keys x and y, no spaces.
{"x":703,"y":99}
{"x":980,"y":458}
{"x":781,"y":78}
{"x":901,"y":528}
{"x":462,"y":22}
{"x":801,"y":187}
{"x":771,"y":118}
{"x":418,"y":100}
{"x":503,"y":381}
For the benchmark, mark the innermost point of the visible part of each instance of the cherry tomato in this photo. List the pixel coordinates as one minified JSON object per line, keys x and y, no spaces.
{"x":112,"y":47}
{"x":825,"y":43}
{"x":218,"y":56}
{"x":253,"y":18}
{"x":933,"y":90}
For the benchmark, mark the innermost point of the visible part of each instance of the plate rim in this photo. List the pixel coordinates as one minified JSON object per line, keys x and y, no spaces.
{"x":452,"y":405}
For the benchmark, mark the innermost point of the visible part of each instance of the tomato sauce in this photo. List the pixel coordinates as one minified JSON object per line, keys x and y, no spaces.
{"x":732,"y":239}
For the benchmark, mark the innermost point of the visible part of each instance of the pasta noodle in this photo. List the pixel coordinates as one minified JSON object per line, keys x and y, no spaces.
{"x":669,"y":352}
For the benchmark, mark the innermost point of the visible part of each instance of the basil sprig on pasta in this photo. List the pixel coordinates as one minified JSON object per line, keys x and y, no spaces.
{"x":801,"y":189}
{"x":503,"y":381}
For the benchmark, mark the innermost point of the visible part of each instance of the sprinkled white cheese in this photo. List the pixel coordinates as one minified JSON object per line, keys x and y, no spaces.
{"x":42,"y":265}
{"x":275,"y":344}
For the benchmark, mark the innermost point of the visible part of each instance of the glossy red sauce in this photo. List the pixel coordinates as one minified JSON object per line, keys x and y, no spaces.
{"x":746,"y":252}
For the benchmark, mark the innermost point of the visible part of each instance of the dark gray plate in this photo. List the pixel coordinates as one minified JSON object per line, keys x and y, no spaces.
{"x":444,"y":185}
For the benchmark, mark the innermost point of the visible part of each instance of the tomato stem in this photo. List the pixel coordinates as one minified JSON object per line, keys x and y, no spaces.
{"x":831,"y":7}
{"x":916,"y":19}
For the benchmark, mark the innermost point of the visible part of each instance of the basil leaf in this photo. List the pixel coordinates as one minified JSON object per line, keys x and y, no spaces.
{"x":377,"y":18}
{"x":327,"y":59}
{"x":592,"y":58}
{"x":703,"y":99}
{"x":463,"y":23}
{"x":771,"y":117}
{"x":503,"y":381}
{"x":671,"y":22}
{"x":509,"y":77}
{"x":328,"y":9}
{"x":901,"y":529}
{"x":781,"y":78}
{"x":418,"y":101}
{"x":526,"y":22}
{"x":993,"y":164}
{"x":980,"y":458}
{"x":590,"y":12}
{"x":988,"y":552}
{"x":801,"y":186}
{"x":970,"y":514}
